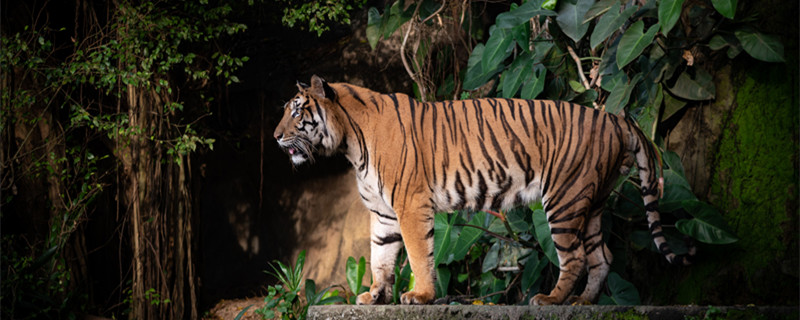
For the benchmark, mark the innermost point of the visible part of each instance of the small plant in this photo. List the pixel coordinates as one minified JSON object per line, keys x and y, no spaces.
{"x":355,"y":275}
{"x":285,"y":297}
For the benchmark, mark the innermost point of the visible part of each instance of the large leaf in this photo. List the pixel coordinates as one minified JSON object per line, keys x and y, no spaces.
{"x":708,"y":225}
{"x":598,"y":8}
{"x":633,"y":42}
{"x":373,"y":27}
{"x":497,"y":48}
{"x":522,"y":14}
{"x":513,"y":77}
{"x":761,"y":46}
{"x":676,"y":191}
{"x":673,"y":161}
{"x":441,"y":238}
{"x":542,"y":228}
{"x":699,"y":87}
{"x":621,"y":94}
{"x":570,"y":18}
{"x":355,"y":273}
{"x":623,"y":293}
{"x":469,"y":236}
{"x":611,"y":21}
{"x":516,"y":219}
{"x":671,"y":106}
{"x":533,"y":269}
{"x":668,"y":13}
{"x":492,"y":258}
{"x":725,"y":7}
{"x":442,"y":281}
{"x":395,"y":17}
{"x":476,"y":76}
{"x":534,"y":82}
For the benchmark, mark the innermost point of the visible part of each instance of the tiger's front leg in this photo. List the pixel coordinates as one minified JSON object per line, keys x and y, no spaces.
{"x":385,"y":243}
{"x":416,"y":226}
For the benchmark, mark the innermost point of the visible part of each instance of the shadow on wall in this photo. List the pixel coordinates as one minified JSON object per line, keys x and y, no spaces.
{"x":254,"y":207}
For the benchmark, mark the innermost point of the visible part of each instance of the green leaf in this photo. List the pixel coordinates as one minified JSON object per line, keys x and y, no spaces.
{"x":373,"y":27}
{"x":396,"y":18}
{"x":633,"y":42}
{"x":701,"y":87}
{"x":521,"y":15}
{"x":576,"y":86}
{"x":542,"y":228}
{"x":623,"y":293}
{"x":760,"y":46}
{"x":491,"y":259}
{"x":708,"y":225}
{"x":497,"y":48}
{"x":533,"y":269}
{"x":534,"y":82}
{"x":668,"y":13}
{"x":676,"y":191}
{"x":355,"y":273}
{"x":441,"y":238}
{"x":673,"y":161}
{"x":442,"y":281}
{"x":468,"y":236}
{"x":549,"y":4}
{"x":241,"y":313}
{"x":620,"y":95}
{"x":600,"y":7}
{"x":725,"y":7}
{"x":516,"y":219}
{"x":610,"y":22}
{"x":671,"y":106}
{"x":513,"y":76}
{"x":476,"y":76}
{"x":570,"y":18}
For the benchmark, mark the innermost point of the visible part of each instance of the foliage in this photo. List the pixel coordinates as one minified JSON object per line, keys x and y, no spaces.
{"x":319,"y":15}
{"x":285,"y":298}
{"x":634,"y":58}
{"x":80,"y":103}
{"x":355,"y":276}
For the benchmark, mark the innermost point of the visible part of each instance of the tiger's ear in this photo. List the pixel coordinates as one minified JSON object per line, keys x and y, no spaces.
{"x":301,"y":86}
{"x":321,"y":89}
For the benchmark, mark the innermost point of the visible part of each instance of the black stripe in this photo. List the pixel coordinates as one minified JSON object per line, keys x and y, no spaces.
{"x":383,"y":215}
{"x":388,"y":239}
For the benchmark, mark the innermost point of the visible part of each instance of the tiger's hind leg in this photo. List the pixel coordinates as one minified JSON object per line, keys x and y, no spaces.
{"x":566,"y":225}
{"x":386,"y":242}
{"x":598,"y":258}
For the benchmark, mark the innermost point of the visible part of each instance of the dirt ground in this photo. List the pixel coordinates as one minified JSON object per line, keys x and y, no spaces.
{"x":229,"y":309}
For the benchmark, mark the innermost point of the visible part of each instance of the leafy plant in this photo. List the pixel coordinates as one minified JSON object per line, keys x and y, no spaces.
{"x":633,"y":58}
{"x":355,"y":275}
{"x":285,"y":298}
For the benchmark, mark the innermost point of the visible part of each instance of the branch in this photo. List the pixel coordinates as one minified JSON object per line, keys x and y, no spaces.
{"x":580,"y":72}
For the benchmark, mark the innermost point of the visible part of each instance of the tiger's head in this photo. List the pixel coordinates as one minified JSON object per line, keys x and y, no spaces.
{"x":308,"y":126}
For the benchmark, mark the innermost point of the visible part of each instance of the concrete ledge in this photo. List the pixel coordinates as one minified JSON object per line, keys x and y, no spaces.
{"x":546,"y":312}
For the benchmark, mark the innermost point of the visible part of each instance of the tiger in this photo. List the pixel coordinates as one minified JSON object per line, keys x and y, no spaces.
{"x":413,"y":159}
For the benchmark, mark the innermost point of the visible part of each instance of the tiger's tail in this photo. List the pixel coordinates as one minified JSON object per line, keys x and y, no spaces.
{"x":648,"y":162}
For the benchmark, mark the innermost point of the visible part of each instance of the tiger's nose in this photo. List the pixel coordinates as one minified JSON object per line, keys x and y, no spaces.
{"x":278,"y":135}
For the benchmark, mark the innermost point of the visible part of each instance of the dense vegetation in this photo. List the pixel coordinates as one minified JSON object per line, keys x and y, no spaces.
{"x":105,"y":105}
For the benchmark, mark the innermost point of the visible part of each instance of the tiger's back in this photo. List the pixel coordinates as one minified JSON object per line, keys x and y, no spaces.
{"x":413,"y":159}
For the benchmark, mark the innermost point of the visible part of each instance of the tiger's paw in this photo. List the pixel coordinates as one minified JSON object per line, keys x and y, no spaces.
{"x":577,"y":301}
{"x":543,"y":300}
{"x":415,"y":297}
{"x":375,"y":296}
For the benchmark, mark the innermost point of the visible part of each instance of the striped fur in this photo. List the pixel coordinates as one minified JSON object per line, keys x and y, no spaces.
{"x":413,"y":159}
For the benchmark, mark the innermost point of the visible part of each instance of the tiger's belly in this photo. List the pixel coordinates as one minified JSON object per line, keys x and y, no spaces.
{"x":482,"y":190}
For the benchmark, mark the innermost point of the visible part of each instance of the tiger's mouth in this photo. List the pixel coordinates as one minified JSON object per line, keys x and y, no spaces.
{"x":299,"y":150}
